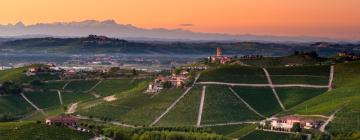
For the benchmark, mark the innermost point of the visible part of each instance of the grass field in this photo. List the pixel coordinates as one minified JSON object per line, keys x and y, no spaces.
{"x":72,"y":97}
{"x":53,"y":85}
{"x":152,"y":107}
{"x":26,"y":130}
{"x":261,"y":99}
{"x":110,"y":87}
{"x":81,"y":86}
{"x":127,"y":101}
{"x":12,"y":74}
{"x":221,"y":106}
{"x":14,"y":105}
{"x":44,"y":99}
{"x":185,"y":112}
{"x":294,"y":96}
{"x":317,"y":75}
{"x":261,"y":135}
{"x":234,"y":74}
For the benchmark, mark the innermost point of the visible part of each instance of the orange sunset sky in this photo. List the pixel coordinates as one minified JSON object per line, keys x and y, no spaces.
{"x":327,"y":18}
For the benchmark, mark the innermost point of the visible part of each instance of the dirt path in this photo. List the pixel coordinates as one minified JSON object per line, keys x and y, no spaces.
{"x":92,"y":88}
{"x":110,"y":98}
{"x":247,"y":105}
{"x":60,"y":97}
{"x":32,"y":104}
{"x":332,"y":116}
{"x":175,"y":102}
{"x":273,"y":89}
{"x":331,"y":77}
{"x":201,"y":107}
{"x":66,"y":84}
{"x":230,"y":123}
{"x":72,"y":108}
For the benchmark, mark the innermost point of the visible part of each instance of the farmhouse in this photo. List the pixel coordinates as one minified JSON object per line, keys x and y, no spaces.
{"x":31,"y":72}
{"x":287,"y":123}
{"x":65,"y":120}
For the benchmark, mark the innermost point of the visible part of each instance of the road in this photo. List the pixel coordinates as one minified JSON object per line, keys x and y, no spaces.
{"x":72,"y":108}
{"x":201,"y":107}
{"x":60,"y":97}
{"x":331,"y":77}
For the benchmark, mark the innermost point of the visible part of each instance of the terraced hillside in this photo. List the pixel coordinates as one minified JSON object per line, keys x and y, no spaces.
{"x":345,"y":97}
{"x":237,"y":99}
{"x":27,"y":130}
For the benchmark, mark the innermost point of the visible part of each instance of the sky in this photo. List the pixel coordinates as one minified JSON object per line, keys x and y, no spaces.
{"x":325,"y":18}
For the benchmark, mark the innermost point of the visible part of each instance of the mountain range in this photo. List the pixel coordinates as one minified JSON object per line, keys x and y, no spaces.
{"x":127,"y":31}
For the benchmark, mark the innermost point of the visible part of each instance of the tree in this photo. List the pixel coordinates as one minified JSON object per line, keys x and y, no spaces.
{"x":134,"y":72}
{"x":296,"y":127}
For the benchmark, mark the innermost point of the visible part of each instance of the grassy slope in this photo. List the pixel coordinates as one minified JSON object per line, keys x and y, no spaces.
{"x":15,"y":105}
{"x":44,"y":99}
{"x":110,"y":87}
{"x":152,"y":107}
{"x":81,"y":86}
{"x":53,"y":85}
{"x":127,"y":101}
{"x":221,"y":106}
{"x":185,"y":112}
{"x":71,"y":97}
{"x":320,"y":73}
{"x":345,"y":96}
{"x":291,"y":97}
{"x":235,"y":74}
{"x":261,"y":99}
{"x":29,"y":130}
{"x":12,"y":74}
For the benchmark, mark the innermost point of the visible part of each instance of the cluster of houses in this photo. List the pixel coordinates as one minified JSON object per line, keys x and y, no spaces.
{"x":219,"y":58}
{"x":175,"y":80}
{"x":69,"y":121}
{"x":66,"y":71}
{"x":286,"y":123}
{"x":348,"y":55}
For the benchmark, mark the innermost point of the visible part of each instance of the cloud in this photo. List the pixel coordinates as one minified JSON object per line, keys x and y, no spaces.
{"x":186,"y":24}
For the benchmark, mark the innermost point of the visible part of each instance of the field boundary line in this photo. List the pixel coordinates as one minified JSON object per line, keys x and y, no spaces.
{"x":230,"y":123}
{"x":201,"y":107}
{"x":247,"y":105}
{"x":273,"y":89}
{"x":262,"y":85}
{"x":66,"y":84}
{"x":332,"y":116}
{"x":32,"y":104}
{"x":175,"y":102}
{"x":60,"y":97}
{"x":331,"y":77}
{"x":93,"y":87}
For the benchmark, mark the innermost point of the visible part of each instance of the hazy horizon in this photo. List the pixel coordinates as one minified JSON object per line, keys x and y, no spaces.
{"x":322,"y":18}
